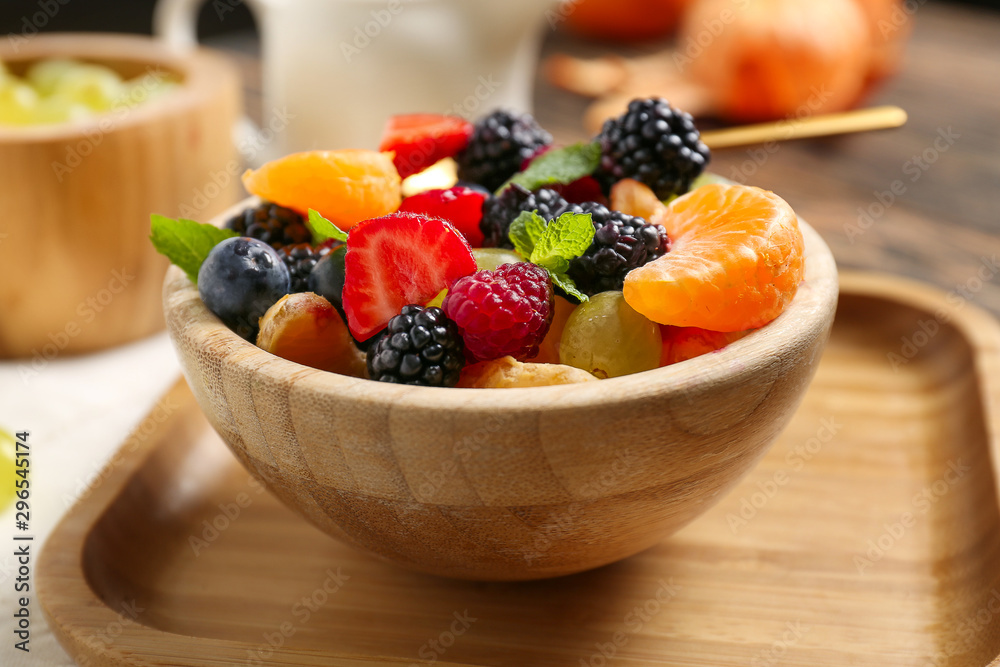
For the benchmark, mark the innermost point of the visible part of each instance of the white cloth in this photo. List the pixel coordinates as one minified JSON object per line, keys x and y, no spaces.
{"x":78,"y":410}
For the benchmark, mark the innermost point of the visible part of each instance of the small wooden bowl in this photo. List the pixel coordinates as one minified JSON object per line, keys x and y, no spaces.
{"x":80,"y":272}
{"x":505,"y":484}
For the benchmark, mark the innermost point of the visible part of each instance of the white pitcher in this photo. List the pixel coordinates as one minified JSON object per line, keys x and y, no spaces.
{"x":334,"y":70}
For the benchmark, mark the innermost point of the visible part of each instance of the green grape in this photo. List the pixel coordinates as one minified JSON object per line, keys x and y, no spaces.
{"x":46,"y":76}
{"x":95,"y":86}
{"x":6,"y":78}
{"x":607,"y":337}
{"x":491,"y":258}
{"x":18,"y":102}
{"x":7,"y":468}
{"x":144,"y":89}
{"x":59,"y":109}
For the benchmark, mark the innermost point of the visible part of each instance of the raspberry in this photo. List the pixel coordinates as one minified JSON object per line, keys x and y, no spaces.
{"x":419,"y":346}
{"x":502,"y":312}
{"x":500,"y":211}
{"x":500,"y":143}
{"x":653,"y":143}
{"x":621,"y":243}
{"x":300,"y":258}
{"x":275,"y":225}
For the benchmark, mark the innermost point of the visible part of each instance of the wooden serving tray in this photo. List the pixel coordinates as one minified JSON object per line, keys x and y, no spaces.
{"x":868,"y":535}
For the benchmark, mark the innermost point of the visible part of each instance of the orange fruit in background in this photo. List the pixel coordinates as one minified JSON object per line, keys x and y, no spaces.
{"x":307,"y":329}
{"x":346,"y":186}
{"x":683,"y":343}
{"x":889,"y":26}
{"x":770,"y":59}
{"x":735,"y":261}
{"x":621,"y":19}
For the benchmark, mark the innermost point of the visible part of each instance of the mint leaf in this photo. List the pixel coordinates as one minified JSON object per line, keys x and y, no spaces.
{"x":322,"y":229}
{"x":564,"y":238}
{"x":568,"y":286}
{"x":186,"y":243}
{"x":563,"y":165}
{"x":524,"y":242}
{"x":535,"y":226}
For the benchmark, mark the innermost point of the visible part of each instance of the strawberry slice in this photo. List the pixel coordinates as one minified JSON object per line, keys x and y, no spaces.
{"x":420,"y":140}
{"x":461,"y":206}
{"x":396,"y":260}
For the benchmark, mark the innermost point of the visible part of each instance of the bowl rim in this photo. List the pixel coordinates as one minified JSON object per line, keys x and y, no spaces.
{"x":806,"y":318}
{"x":202,"y":71}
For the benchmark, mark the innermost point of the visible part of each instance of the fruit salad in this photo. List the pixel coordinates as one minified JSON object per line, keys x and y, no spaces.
{"x":61,"y":90}
{"x":513,"y":263}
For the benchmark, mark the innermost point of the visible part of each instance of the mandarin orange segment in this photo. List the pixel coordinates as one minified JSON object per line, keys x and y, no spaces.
{"x":548,"y":350}
{"x":306,"y":328}
{"x":346,"y":186}
{"x":634,"y":198}
{"x":736,"y":260}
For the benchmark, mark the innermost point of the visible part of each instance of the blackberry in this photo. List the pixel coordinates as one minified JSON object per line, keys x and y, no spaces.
{"x":500,"y":143}
{"x":300,"y":258}
{"x":275,"y":225}
{"x":653,"y":143}
{"x":500,"y":211}
{"x":621,"y":243}
{"x":419,"y":346}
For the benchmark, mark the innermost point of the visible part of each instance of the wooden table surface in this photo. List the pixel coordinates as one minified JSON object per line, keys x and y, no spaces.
{"x":942,"y":224}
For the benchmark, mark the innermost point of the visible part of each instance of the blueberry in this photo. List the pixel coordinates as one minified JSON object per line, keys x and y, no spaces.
{"x":327,"y":277}
{"x":239,"y":280}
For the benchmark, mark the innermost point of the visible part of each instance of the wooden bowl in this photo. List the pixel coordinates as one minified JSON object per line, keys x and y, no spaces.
{"x":505,"y":484}
{"x":80,"y":271}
